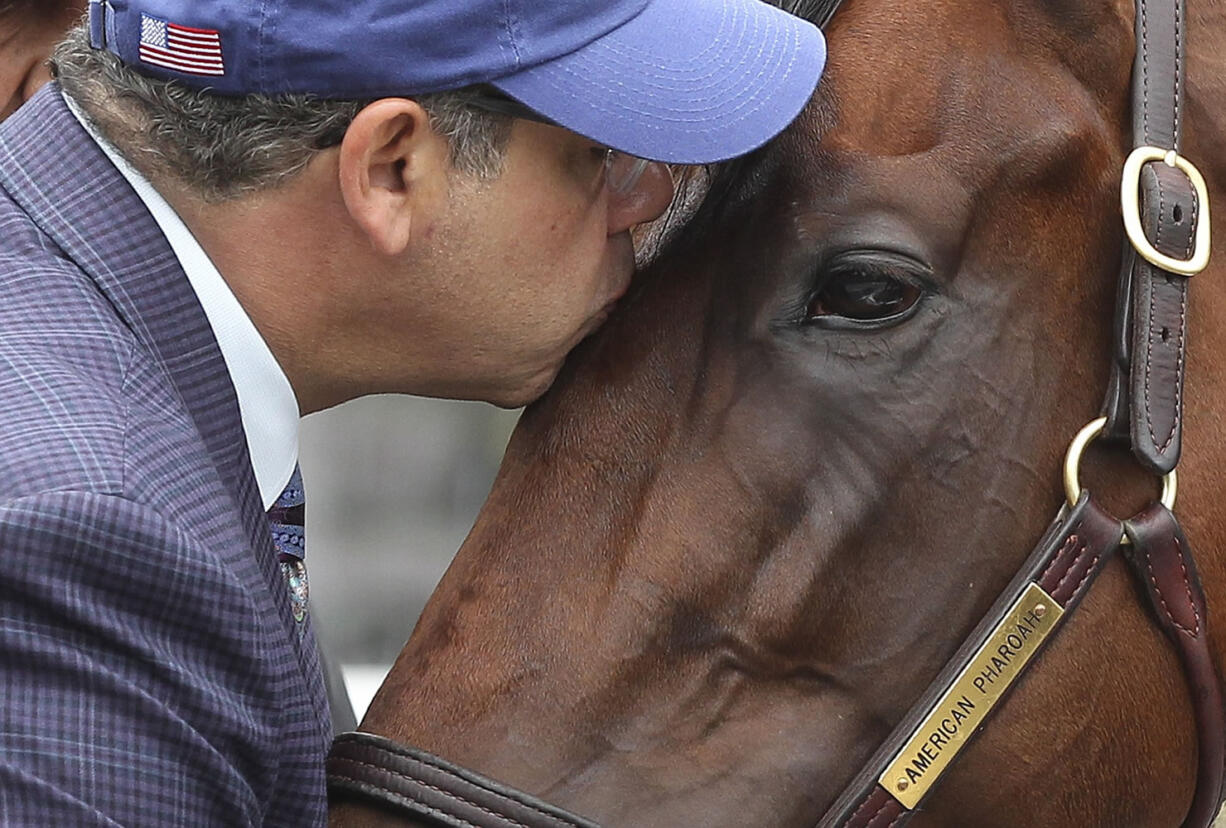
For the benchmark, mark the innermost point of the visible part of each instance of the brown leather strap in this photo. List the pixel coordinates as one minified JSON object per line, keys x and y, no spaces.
{"x":1157,"y":75}
{"x":413,"y":782}
{"x":1145,"y":397}
{"x":879,"y":810}
{"x":1161,"y":558}
{"x":1073,"y":551}
{"x":1169,"y":212}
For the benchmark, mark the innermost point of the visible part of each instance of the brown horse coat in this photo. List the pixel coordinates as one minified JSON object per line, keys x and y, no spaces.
{"x":734,"y":543}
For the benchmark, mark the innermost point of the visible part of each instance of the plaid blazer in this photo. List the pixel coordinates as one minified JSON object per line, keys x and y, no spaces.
{"x":151,"y":669}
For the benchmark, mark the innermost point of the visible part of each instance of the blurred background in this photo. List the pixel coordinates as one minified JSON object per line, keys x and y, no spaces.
{"x":393,"y":484}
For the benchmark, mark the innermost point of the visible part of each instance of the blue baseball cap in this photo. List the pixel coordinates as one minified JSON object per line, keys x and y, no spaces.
{"x":682,"y":81}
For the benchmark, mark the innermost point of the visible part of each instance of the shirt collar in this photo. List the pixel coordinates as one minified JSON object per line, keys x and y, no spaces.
{"x":266,"y":401}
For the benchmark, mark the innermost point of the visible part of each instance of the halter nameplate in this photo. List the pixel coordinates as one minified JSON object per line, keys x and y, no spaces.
{"x":966,"y":704}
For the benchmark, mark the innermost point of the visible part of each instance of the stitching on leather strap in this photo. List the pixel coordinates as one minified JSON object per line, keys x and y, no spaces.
{"x":866,"y":803}
{"x":1180,"y":349}
{"x":378,"y":791}
{"x":1183,"y":313}
{"x":456,"y":797}
{"x":1149,"y":349}
{"x":1161,"y":224}
{"x":1178,"y":72}
{"x":1193,"y":219}
{"x":1144,"y":67}
{"x":876,"y":814}
{"x":1149,"y":565}
{"x":1072,"y":540}
{"x":1072,"y":564}
{"x":433,"y":763}
{"x":1085,"y":575}
{"x":897,"y":819}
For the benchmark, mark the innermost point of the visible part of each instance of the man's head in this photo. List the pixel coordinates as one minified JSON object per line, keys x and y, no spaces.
{"x":384,"y":228}
{"x":28,"y":31}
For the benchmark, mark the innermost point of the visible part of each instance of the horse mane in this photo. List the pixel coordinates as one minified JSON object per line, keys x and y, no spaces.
{"x":710,"y":185}
{"x":818,"y":12}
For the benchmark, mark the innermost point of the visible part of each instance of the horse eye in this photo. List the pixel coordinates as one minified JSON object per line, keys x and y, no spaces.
{"x":861,"y":295}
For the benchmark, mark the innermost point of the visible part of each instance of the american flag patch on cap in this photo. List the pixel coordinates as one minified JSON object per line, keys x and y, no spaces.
{"x":182,"y":48}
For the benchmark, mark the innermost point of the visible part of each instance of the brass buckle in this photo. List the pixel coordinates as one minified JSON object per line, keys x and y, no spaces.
{"x":1130,"y":203}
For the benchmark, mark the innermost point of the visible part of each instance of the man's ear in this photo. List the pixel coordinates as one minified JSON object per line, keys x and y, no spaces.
{"x":393,"y":172}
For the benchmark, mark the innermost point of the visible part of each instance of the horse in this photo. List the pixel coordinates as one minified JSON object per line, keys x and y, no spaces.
{"x":766,"y":502}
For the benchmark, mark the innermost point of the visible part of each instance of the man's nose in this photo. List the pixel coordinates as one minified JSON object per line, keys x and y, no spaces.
{"x":646,"y":200}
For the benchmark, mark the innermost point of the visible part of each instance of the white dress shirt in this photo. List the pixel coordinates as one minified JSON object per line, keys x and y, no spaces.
{"x":266,"y":401}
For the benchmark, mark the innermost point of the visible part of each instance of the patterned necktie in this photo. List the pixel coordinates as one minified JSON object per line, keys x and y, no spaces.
{"x":287,"y":519}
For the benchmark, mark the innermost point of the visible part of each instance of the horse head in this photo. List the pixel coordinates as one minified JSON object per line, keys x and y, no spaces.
{"x":766,"y":502}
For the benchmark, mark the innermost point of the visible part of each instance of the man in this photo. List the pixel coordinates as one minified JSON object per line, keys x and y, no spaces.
{"x":231,"y":213}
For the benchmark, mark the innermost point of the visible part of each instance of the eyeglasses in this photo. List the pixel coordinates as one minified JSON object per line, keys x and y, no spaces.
{"x":622,"y":170}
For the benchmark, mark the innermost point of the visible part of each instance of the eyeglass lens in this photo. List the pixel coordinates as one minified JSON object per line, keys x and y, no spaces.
{"x":623,"y":171}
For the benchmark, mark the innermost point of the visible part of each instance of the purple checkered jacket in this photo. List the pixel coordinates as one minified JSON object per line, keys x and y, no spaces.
{"x":152,"y":673}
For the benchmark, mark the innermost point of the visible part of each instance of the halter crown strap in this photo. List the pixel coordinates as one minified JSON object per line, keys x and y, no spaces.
{"x":1165,"y":207}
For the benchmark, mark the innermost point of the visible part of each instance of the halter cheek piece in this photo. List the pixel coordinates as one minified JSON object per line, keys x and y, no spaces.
{"x":1166,"y":214}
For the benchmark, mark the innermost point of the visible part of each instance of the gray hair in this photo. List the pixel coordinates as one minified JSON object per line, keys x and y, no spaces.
{"x":223,"y":147}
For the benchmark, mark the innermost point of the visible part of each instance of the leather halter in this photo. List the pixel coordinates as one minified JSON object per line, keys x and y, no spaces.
{"x":1166,"y":215}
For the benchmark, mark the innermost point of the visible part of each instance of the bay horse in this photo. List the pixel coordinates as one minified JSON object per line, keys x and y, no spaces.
{"x":771,"y":497}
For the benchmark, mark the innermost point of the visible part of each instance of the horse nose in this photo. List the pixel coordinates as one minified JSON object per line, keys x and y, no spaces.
{"x":646,"y":200}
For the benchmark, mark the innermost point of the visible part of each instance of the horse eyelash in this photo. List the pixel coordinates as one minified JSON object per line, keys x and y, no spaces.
{"x":886,"y":266}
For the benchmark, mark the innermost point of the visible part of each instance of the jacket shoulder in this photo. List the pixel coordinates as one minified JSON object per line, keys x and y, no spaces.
{"x":64,"y":360}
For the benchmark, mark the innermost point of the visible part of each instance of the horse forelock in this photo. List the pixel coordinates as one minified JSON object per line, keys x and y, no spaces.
{"x":701,"y":193}
{"x":706,"y":195}
{"x":816,"y":11}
